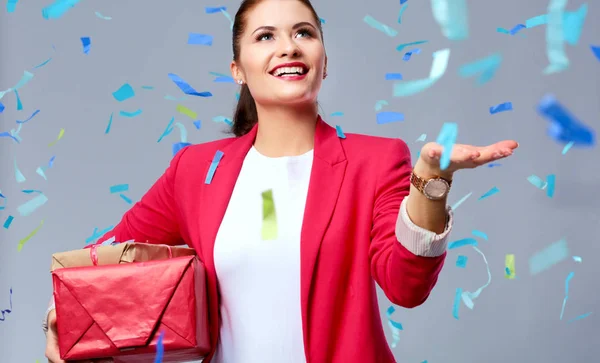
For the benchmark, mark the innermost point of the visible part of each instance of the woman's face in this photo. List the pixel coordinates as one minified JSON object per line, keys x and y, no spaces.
{"x":282,"y":58}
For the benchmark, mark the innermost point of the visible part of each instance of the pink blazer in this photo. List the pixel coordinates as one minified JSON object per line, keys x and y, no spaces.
{"x":348,"y":239}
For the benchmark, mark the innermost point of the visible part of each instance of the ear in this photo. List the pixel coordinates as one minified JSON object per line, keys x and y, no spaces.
{"x":236,"y":72}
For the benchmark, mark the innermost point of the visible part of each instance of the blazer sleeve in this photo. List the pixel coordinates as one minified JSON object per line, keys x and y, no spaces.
{"x":155,"y":218}
{"x":405,"y":277}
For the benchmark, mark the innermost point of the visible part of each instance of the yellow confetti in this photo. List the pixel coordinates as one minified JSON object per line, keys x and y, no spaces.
{"x":33,"y":233}
{"x":60,"y":135}
{"x":509,"y":263}
{"x":186,"y":111}
{"x":269,"y":225}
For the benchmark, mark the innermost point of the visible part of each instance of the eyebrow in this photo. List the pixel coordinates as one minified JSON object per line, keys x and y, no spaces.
{"x":296,"y":26}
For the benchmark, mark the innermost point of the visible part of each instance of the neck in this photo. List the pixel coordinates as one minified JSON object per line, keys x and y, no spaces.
{"x":285,"y":131}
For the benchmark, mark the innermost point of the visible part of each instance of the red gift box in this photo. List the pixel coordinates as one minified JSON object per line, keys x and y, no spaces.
{"x":120,"y":310}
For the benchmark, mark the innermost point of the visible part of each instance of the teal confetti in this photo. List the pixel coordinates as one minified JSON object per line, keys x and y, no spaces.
{"x":182,"y":132}
{"x":8,"y":221}
{"x":168,"y":129}
{"x":537,"y":181}
{"x":402,"y":10}
{"x":11,"y":5}
{"x":102,"y":16}
{"x":461,"y":261}
{"x":124,"y":92}
{"x":548,"y":257}
{"x":118,"y":188}
{"x":379,"y":26}
{"x":395,"y":327}
{"x":485,"y":67}
{"x":583,"y":316}
{"x":447,"y":138}
{"x":213,"y":167}
{"x":569,"y":277}
{"x":479,"y":234}
{"x":438,"y":68}
{"x":109,"y":124}
{"x":334,"y":114}
{"x":40,"y":172}
{"x":467,"y":296}
{"x":555,"y":38}
{"x":461,"y":201}
{"x":126,"y":199}
{"x":148,"y":87}
{"x":550,"y":180}
{"x":43,"y":63}
{"x":577,"y":259}
{"x":30,"y":206}
{"x":19,"y":104}
{"x":58,"y":9}
{"x":489,"y":193}
{"x":401,"y":47}
{"x":223,"y":119}
{"x":456,"y":305}
{"x":421,"y":138}
{"x":379,"y":104}
{"x":130,"y":114}
{"x":452,"y":16}
{"x":567,"y":147}
{"x":462,"y":242}
{"x":340,"y":133}
{"x":97,"y":234}
{"x":18,"y":175}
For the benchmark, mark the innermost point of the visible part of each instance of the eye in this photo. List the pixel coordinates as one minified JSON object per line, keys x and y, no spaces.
{"x":306,"y":32}
{"x":264,"y":36}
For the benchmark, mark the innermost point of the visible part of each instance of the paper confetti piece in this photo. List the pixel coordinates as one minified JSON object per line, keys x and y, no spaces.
{"x":550,"y":181}
{"x":555,"y":37}
{"x":567,"y":147}
{"x":467,"y":296}
{"x":160,"y":348}
{"x":485,"y":67}
{"x":537,"y":181}
{"x":32,"y":205}
{"x":7,"y":134}
{"x":452,"y":16}
{"x":186,"y":111}
{"x":421,"y":138}
{"x":506,"y":106}
{"x":462,"y":242}
{"x":40,"y":171}
{"x":438,"y":68}
{"x":186,"y":88}
{"x":87,"y":44}
{"x":379,"y":104}
{"x":18,"y":175}
{"x":97,"y":234}
{"x":401,"y":47}
{"x":568,"y":279}
{"x":168,"y":130}
{"x":322,"y":20}
{"x":577,"y":259}
{"x":489,"y":193}
{"x":385,"y":117}
{"x":60,"y":135}
{"x":402,"y":10}
{"x":379,"y":26}
{"x":197,"y":124}
{"x":124,"y":92}
{"x":110,"y":120}
{"x":409,"y":54}
{"x":548,"y":257}
{"x":102,"y":16}
{"x":8,"y":221}
{"x":200,"y":39}
{"x":178,"y":146}
{"x":130,"y":114}
{"x":125,"y":198}
{"x":509,"y":266}
{"x":223,"y":119}
{"x":395,"y":326}
{"x":393,"y":76}
{"x":564,"y":127}
{"x":1,"y":107}
{"x":27,"y":76}
{"x":213,"y":167}
{"x":334,"y":114}
{"x":479,"y":234}
{"x":222,"y":78}
{"x":3,"y":202}
{"x":118,"y":188}
{"x":595,"y":51}
{"x":213,"y":10}
{"x":340,"y":133}
{"x":7,"y":311}
{"x":269,"y":221}
{"x":11,"y":5}
{"x":447,"y":139}
{"x":228,"y":16}
{"x":29,"y":236}
{"x":572,"y":23}
{"x":19,"y":103}
{"x":513,"y":31}
{"x":58,"y":9}
{"x":456,"y":305}
{"x":583,"y":316}
{"x":460,"y":201}
{"x":461,"y":261}
{"x":43,"y":63}
{"x":148,"y":87}
{"x":29,"y":118}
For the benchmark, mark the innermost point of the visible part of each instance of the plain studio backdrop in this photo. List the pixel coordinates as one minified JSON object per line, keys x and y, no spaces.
{"x":513,"y":320}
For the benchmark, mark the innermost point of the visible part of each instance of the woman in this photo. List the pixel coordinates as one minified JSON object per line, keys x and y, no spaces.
{"x":350,"y":211}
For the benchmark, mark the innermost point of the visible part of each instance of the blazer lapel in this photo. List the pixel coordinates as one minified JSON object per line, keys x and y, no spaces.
{"x":327,"y":174}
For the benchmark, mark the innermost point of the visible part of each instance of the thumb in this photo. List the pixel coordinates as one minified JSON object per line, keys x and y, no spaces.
{"x":52,"y":350}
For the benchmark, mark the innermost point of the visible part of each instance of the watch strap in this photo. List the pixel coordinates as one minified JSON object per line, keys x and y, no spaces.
{"x":419,"y":182}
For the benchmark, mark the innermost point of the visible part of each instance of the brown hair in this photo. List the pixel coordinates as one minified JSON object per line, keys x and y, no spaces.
{"x":245,"y":116}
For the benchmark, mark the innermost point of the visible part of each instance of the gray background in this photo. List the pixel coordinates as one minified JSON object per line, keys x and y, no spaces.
{"x":513,"y":320}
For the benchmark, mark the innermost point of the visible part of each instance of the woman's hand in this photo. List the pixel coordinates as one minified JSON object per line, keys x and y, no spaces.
{"x":462,"y":157}
{"x":52,"y":352}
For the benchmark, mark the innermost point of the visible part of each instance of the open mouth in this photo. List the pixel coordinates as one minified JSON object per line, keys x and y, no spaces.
{"x":283,"y":72}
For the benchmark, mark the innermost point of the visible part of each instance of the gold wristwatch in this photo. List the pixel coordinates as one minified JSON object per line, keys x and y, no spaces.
{"x":435,"y":188}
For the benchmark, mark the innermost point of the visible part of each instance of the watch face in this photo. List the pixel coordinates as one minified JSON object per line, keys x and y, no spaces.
{"x":435,"y":189}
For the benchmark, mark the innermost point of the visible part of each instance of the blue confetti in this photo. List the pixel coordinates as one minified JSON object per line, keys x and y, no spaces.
{"x":200,"y":39}
{"x":224,"y":79}
{"x":393,"y":76}
{"x":160,"y":348}
{"x":186,"y":88}
{"x":126,"y":199}
{"x":447,"y":138}
{"x":168,"y":129}
{"x":213,"y":167}
{"x":124,"y":92}
{"x":11,"y":5}
{"x":198,"y":124}
{"x":379,"y":26}
{"x":403,"y":1}
{"x":408,"y":55}
{"x":461,"y":261}
{"x":489,"y":193}
{"x":7,"y":311}
{"x":395,"y":326}
{"x":211,"y":10}
{"x":595,"y":51}
{"x":506,"y":106}
{"x":462,"y":242}
{"x":58,"y":9}
{"x":29,"y":118}
{"x":565,"y":127}
{"x":548,"y":257}
{"x":402,"y":10}
{"x":178,"y":146}
{"x":340,"y":133}
{"x":401,"y":47}
{"x":385,"y":117}
{"x":86,"y":43}
{"x":485,"y":67}
{"x":479,"y":234}
{"x":43,"y":63}
{"x":130,"y":114}
{"x":118,"y":188}
{"x":1,"y":107}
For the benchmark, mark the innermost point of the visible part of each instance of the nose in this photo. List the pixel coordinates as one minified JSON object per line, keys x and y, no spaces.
{"x":288,"y":48}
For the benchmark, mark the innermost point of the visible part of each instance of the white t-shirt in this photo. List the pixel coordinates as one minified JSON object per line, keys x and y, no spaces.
{"x":259,"y":280}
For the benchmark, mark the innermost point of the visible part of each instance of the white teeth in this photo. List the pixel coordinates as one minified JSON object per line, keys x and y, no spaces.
{"x":288,"y":70}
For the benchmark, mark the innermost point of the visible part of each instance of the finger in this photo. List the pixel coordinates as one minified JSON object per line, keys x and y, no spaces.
{"x":464,"y":153}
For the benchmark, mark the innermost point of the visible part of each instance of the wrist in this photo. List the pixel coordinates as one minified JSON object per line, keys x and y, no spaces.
{"x":427,"y":171}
